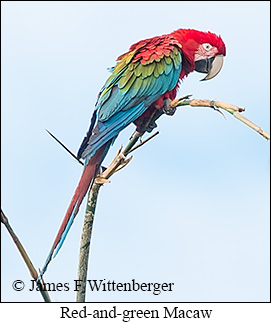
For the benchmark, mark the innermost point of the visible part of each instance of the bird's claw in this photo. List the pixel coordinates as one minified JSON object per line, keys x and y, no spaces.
{"x":167,"y":108}
{"x":151,"y":126}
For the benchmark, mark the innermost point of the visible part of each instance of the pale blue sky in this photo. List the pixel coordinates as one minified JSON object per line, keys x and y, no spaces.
{"x":193,"y":206}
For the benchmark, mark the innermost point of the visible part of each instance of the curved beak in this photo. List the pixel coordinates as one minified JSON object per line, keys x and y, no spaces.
{"x":211,"y":66}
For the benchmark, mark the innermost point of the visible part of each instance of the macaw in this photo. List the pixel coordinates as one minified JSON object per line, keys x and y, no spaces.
{"x":143,"y":81}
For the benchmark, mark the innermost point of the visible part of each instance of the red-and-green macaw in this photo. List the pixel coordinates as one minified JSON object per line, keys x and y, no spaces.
{"x":143,"y":80}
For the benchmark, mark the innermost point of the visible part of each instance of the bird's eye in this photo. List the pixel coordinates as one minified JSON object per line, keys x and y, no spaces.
{"x":206,"y":46}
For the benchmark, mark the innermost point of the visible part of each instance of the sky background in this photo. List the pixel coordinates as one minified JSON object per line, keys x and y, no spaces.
{"x":192,"y":208}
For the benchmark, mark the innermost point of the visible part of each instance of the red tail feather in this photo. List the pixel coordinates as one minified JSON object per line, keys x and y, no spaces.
{"x":81,"y":190}
{"x":86,"y":179}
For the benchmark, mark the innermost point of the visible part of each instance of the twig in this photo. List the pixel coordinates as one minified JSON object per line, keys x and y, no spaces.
{"x":26,"y":259}
{"x":232,"y":109}
{"x":67,"y":149}
{"x":143,"y":142}
{"x":120,"y":160}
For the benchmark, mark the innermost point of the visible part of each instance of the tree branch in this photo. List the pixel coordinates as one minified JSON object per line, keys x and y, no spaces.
{"x":232,"y":109}
{"x":28,"y":262}
{"x":85,"y":241}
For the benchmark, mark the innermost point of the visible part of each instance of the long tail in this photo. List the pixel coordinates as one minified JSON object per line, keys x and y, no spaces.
{"x":89,"y":173}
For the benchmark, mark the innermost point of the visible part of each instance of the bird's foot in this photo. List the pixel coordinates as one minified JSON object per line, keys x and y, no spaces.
{"x":168,"y":109}
{"x":151,"y":126}
{"x":148,"y":125}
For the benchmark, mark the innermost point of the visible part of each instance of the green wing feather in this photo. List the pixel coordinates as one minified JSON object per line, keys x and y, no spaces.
{"x":135,"y":80}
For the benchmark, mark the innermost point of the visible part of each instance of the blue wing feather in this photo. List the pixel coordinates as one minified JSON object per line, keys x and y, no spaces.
{"x":126,"y":97}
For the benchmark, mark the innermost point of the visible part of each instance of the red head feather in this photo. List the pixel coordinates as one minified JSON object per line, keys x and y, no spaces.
{"x":190,"y":40}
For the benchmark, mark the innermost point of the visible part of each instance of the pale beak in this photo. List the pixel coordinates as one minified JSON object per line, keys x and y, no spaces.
{"x":212,"y":66}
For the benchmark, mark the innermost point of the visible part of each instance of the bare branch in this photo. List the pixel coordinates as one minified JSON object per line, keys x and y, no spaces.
{"x":85,"y":241}
{"x":67,"y":149}
{"x":232,"y":109}
{"x":26,"y":259}
{"x":143,"y":142}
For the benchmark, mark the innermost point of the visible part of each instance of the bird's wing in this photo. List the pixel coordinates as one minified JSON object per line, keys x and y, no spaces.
{"x":139,"y":78}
